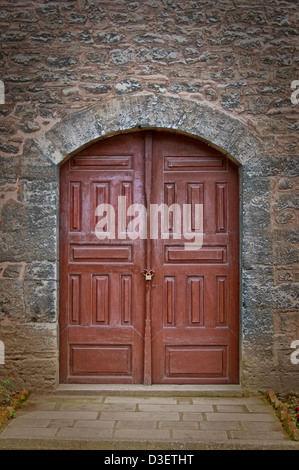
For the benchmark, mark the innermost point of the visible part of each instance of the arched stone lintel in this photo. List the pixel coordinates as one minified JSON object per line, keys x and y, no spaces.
{"x":124,"y":114}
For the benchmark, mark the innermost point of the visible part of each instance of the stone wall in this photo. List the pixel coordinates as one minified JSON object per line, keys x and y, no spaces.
{"x":77,"y":71}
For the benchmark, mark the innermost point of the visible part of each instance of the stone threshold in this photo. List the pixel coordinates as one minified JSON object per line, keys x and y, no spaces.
{"x":152,"y":390}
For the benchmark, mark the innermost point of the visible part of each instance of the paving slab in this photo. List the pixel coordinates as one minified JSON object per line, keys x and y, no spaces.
{"x":135,"y":422}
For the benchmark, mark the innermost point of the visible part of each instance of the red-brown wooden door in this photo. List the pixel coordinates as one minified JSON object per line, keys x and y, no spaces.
{"x":195,"y":291}
{"x":101,"y":286}
{"x":179,"y":327}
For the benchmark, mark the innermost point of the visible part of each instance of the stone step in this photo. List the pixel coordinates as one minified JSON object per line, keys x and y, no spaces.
{"x":153,"y":390}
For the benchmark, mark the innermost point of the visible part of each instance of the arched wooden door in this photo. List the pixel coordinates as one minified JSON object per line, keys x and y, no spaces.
{"x":182,"y":324}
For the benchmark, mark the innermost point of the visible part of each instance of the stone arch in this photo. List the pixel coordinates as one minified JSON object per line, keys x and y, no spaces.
{"x":217,"y":128}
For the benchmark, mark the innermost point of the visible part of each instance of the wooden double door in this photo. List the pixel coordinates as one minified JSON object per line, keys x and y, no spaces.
{"x":136,"y":307}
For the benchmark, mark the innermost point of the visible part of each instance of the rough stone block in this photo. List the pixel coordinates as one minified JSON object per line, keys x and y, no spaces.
{"x":12,"y":304}
{"x":40,"y":301}
{"x":41,"y":270}
{"x":29,"y":244}
{"x":30,"y":354}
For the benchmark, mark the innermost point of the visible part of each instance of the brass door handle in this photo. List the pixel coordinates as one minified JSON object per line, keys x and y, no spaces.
{"x":148,"y":274}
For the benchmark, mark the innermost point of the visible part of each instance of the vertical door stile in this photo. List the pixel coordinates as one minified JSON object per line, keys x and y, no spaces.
{"x":147,"y":331}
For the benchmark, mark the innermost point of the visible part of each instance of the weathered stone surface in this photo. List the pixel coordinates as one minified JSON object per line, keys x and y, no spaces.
{"x":96,"y":58}
{"x":77,"y":19}
{"x":285,"y":165}
{"x":285,"y":217}
{"x":26,"y":59}
{"x":12,"y":37}
{"x":13,"y":216}
{"x":12,"y":271}
{"x":12,"y":304}
{"x":122,"y":56}
{"x":9,"y":167}
{"x":42,"y":37}
{"x":285,"y":183}
{"x":97,"y":89}
{"x":60,"y":62}
{"x":28,"y":244}
{"x":43,"y":270}
{"x":231,"y":100}
{"x":29,"y":127}
{"x":127,"y":86}
{"x":40,"y":193}
{"x":109,"y":38}
{"x":36,"y":166}
{"x":32,"y":362}
{"x":40,"y":301}
{"x":26,"y":111}
{"x":8,"y":148}
{"x":256,"y":196}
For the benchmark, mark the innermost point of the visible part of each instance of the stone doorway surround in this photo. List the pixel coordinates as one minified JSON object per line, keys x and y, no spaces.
{"x":38,"y":338}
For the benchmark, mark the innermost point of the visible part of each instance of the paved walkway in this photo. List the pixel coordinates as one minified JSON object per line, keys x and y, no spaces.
{"x":80,"y":421}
